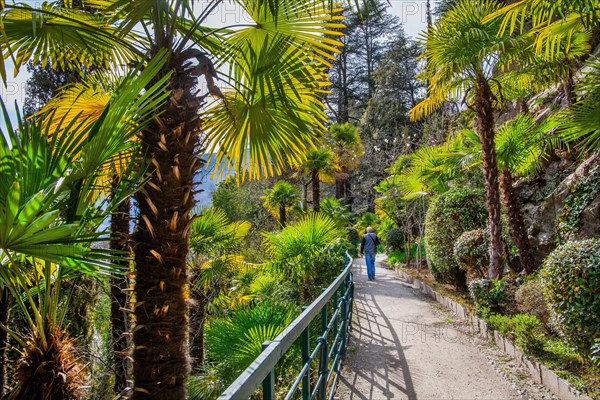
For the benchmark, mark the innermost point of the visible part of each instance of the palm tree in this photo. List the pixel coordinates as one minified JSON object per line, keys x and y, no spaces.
{"x":86,"y":100}
{"x":267,"y":121}
{"x":50,"y":216}
{"x":463,"y":60}
{"x":318,"y":164}
{"x":521,"y":145}
{"x":214,"y":241}
{"x":280,"y":198}
{"x":348,"y":149}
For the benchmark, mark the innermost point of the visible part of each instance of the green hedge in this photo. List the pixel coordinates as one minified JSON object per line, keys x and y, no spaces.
{"x":449,"y":216}
{"x":571,"y":276}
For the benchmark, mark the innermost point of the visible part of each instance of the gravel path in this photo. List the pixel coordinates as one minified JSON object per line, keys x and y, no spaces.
{"x":404,"y":346}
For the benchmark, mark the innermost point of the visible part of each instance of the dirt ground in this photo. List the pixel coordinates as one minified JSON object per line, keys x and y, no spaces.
{"x":405,"y":346}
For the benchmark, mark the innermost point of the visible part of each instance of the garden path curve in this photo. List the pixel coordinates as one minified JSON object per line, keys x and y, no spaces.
{"x":401,"y":348}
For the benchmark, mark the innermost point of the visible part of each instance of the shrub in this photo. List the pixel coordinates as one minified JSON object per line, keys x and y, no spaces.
{"x":487,"y":293}
{"x":471,"y":252}
{"x":530,"y":300}
{"x":596,"y":352}
{"x":525,"y":330}
{"x":394,"y":239}
{"x":571,"y":276}
{"x":449,"y":216}
{"x":354,"y":240}
{"x":396,"y":257}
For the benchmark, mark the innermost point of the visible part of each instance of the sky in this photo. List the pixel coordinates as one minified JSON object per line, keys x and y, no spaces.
{"x":410,"y":12}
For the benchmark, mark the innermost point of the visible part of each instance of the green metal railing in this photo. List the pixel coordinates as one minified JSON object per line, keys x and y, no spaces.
{"x":334,"y":308}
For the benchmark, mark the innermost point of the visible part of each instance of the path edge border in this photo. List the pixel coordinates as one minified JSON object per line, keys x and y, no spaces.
{"x":541,"y":374}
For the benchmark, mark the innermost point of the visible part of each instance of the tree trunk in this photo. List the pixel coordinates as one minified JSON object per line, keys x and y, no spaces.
{"x":119,"y":226}
{"x":568,"y":85}
{"x":197,"y":325}
{"x":4,"y":316}
{"x":304,"y":195}
{"x":339,"y":189}
{"x":282,"y":216}
{"x":516,"y":222}
{"x":485,"y":128}
{"x":316,"y":191}
{"x":170,"y":145}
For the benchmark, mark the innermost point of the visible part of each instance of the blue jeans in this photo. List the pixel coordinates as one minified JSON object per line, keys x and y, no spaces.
{"x":370,"y":260}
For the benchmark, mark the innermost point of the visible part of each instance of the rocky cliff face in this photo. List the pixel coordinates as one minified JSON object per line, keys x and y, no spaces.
{"x":562,"y":204}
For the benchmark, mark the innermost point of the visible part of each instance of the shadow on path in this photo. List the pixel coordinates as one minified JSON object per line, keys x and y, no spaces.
{"x":376,"y":357}
{"x":402,"y":349}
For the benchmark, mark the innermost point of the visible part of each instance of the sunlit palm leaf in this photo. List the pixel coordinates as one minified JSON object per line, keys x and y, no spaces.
{"x":64,"y":37}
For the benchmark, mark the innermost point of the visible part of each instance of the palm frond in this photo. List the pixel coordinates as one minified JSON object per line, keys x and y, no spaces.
{"x":66,"y":38}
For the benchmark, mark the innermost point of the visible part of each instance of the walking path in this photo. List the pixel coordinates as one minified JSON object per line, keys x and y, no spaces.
{"x":401,"y":348}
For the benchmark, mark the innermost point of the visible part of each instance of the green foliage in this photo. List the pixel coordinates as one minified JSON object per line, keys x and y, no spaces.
{"x":234,"y":341}
{"x":487,"y":293}
{"x":354,"y":239}
{"x":309,"y":252}
{"x":449,"y":216}
{"x":279,"y":199}
{"x":365,"y":220}
{"x":582,"y":193}
{"x":243,"y":203}
{"x":583,"y":124}
{"x":471,"y":252}
{"x":571,"y":275}
{"x":525,"y":330}
{"x":333,"y":208}
{"x":394,"y":239}
{"x":396,"y":257}
{"x":530,"y":299}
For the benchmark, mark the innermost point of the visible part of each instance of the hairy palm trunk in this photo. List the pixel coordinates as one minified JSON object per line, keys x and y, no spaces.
{"x":516,"y":222}
{"x":119,"y":226}
{"x":485,"y":128}
{"x":282,"y":216}
{"x":4,"y":316}
{"x":48,"y":368}
{"x":161,"y":362}
{"x":316,"y":190}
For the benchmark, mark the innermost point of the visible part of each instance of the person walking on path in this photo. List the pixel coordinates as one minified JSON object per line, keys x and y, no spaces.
{"x":368,"y":248}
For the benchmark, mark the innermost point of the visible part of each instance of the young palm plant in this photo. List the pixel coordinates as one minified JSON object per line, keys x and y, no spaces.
{"x":307,"y":252}
{"x":86,"y":101}
{"x":214,"y":242}
{"x":49,"y":217}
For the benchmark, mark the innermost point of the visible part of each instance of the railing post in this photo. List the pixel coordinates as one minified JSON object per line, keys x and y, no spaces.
{"x":323,"y":368}
{"x":335,"y":322}
{"x":268,"y":385}
{"x":344,"y":326}
{"x":305,"y":343}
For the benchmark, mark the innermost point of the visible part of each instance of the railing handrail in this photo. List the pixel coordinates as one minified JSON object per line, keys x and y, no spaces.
{"x":252,"y":377}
